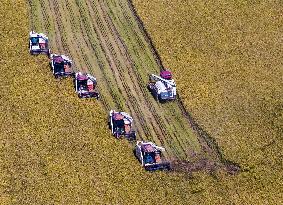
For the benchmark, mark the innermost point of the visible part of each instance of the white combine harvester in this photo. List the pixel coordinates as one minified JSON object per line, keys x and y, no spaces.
{"x":162,"y":87}
{"x":38,"y":43}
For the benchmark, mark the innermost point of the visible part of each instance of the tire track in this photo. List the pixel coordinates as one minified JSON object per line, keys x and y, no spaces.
{"x":142,"y":87}
{"x":82,"y":60}
{"x":164,"y":130}
{"x":127,"y":61}
{"x":142,"y":84}
{"x":102,"y":65}
{"x":114,"y":64}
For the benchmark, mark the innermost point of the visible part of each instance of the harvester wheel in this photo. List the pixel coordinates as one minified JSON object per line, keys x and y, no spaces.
{"x":109,"y":125}
{"x":132,"y":136}
{"x":156,"y":96}
{"x":48,"y":53}
{"x":149,"y":87}
{"x":117,"y":135}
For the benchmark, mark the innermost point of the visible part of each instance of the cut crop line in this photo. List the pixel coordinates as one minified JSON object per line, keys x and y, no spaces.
{"x":173,"y":134}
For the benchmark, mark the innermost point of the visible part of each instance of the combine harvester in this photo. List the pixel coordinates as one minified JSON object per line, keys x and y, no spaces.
{"x":85,"y":86}
{"x":61,"y":66}
{"x":120,"y":124}
{"x":150,"y":156}
{"x":163,"y":87}
{"x":38,"y":43}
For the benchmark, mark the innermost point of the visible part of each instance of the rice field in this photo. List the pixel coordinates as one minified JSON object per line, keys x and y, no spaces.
{"x":227,"y":56}
{"x":104,"y":38}
{"x":56,"y":148}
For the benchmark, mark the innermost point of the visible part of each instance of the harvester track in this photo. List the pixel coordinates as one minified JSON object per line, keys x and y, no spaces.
{"x":106,"y":39}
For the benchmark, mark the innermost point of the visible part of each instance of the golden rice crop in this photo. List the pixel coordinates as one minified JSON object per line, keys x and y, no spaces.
{"x":56,"y":148}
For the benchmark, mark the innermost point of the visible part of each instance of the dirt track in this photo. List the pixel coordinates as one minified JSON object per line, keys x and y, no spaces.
{"x":104,"y":38}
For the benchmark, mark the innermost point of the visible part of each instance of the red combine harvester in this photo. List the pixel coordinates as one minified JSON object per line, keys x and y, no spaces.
{"x":85,"y":85}
{"x":150,"y":156}
{"x":61,"y":66}
{"x":120,"y":124}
